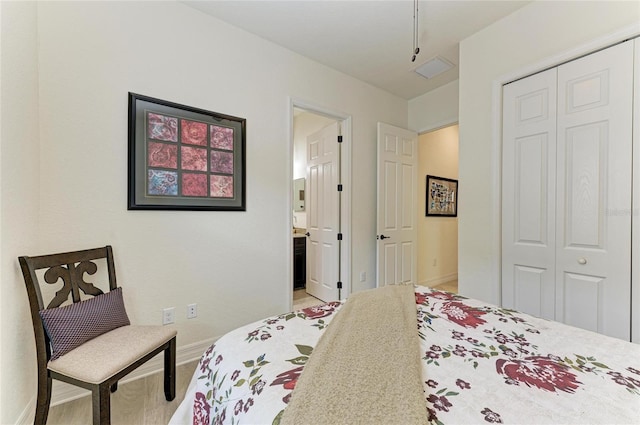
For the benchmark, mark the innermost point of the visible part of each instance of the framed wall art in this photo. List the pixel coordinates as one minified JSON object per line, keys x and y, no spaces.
{"x":184,"y":158}
{"x":442,"y":197}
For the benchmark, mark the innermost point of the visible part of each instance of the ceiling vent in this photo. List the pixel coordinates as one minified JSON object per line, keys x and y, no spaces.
{"x":434,"y":67}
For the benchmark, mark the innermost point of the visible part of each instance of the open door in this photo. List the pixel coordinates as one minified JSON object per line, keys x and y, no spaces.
{"x":323,"y":213}
{"x":397,"y":250}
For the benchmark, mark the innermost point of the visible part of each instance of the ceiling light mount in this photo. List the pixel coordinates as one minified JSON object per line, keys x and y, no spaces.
{"x":416,"y":49}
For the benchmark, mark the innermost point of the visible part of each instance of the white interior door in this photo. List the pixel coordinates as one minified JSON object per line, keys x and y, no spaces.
{"x":593,"y":237}
{"x":323,"y":215}
{"x":397,"y":210}
{"x":528,"y":194}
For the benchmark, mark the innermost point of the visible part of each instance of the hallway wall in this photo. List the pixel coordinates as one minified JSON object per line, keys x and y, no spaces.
{"x":437,"y":236}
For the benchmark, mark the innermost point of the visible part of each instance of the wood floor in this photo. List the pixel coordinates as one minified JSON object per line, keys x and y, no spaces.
{"x":448,"y":286}
{"x":139,"y":402}
{"x":303,"y":300}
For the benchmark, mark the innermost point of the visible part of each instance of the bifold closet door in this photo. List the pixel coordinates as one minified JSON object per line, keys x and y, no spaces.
{"x":567,"y":192}
{"x":528,"y":194}
{"x":594,"y":175}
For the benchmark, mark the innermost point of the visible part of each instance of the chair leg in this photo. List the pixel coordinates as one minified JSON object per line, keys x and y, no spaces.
{"x":43,"y":400}
{"x":170,"y":370}
{"x":101,"y":400}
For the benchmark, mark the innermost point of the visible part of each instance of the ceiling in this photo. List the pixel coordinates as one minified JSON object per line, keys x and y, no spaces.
{"x":369,"y":40}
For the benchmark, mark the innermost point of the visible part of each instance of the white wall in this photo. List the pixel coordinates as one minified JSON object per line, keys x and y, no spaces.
{"x":523,"y":39}
{"x":91,"y":55}
{"x":19,"y":206}
{"x":437,"y":236}
{"x":434,"y":109}
{"x":71,"y":89}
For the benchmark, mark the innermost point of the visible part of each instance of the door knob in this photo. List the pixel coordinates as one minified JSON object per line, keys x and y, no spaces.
{"x":582,"y":261}
{"x":383,"y":237}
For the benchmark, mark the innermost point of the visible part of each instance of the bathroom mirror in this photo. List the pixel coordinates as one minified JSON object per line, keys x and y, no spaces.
{"x":298,"y":194}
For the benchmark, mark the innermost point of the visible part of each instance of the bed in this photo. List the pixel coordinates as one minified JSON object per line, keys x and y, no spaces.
{"x":479,"y":363}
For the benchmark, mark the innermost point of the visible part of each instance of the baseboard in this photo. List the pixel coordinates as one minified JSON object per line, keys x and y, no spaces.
{"x":63,"y":392}
{"x":27,"y":415}
{"x":440,"y":279}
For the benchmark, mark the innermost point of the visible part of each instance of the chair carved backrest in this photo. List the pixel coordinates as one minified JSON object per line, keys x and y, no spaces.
{"x":70,"y":267}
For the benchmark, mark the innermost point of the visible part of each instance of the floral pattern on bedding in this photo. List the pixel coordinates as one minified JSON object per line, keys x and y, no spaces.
{"x":224,"y":395}
{"x":314,"y":314}
{"x":481,"y":363}
{"x":525,"y":352}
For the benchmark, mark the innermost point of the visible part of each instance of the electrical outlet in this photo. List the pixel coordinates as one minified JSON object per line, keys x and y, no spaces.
{"x":363,"y":276}
{"x":192,"y":311}
{"x":435,"y":262}
{"x":168,"y":315}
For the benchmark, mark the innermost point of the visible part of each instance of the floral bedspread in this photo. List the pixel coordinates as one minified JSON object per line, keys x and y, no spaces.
{"x":481,"y":363}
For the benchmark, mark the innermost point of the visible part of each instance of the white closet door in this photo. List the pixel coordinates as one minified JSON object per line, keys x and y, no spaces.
{"x":593,"y":267}
{"x":635,"y":252}
{"x":528,"y":194}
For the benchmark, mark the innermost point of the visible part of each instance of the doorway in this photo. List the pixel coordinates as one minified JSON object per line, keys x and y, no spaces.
{"x":324,"y":265}
{"x":437,"y":236}
{"x":417,"y":243}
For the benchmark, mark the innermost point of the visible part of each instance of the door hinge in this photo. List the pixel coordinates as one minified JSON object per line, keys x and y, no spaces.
{"x":339,"y":236}
{"x":340,"y":188}
{"x":339,"y":285}
{"x":339,"y":139}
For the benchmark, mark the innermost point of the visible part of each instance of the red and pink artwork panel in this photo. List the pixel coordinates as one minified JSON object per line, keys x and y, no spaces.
{"x":194,"y":158}
{"x":222,"y":162}
{"x":194,"y":133}
{"x":163,"y":155}
{"x":194,"y":184}
{"x":221,"y":137}
{"x":162,"y":127}
{"x":221,"y":186}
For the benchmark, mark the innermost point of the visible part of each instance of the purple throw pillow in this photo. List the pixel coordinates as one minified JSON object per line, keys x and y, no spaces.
{"x":71,"y":326}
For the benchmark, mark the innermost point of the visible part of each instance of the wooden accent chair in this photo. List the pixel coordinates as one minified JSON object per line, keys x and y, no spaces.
{"x":101,"y":361}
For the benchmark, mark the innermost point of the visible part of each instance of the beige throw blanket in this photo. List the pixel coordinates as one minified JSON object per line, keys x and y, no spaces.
{"x":366,"y":367}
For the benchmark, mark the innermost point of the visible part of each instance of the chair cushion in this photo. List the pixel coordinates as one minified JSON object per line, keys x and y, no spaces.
{"x":72,"y":325}
{"x":104,"y":356}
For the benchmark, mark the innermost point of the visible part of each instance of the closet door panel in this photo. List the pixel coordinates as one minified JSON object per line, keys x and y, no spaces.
{"x":594,"y":165}
{"x":581,"y":306}
{"x":528,"y":194}
{"x":531,"y":290}
{"x":585,"y":178}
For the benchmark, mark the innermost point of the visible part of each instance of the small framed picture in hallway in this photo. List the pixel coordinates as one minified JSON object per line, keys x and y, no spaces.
{"x":442,"y":197}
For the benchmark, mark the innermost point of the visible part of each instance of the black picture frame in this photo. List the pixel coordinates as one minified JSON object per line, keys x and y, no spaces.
{"x":441,"y":197}
{"x":184,"y":158}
